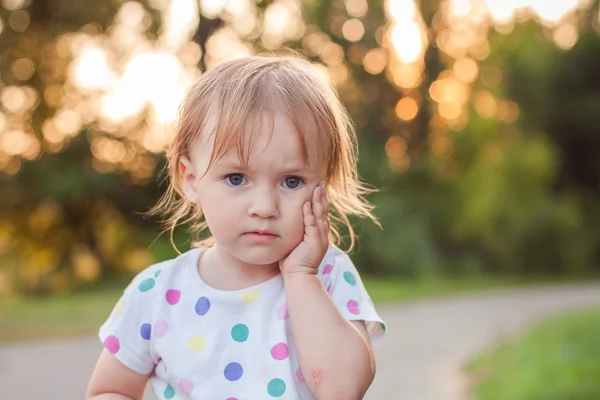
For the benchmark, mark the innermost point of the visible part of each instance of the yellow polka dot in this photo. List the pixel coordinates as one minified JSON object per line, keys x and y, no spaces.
{"x":196,"y":343}
{"x":118,"y":308}
{"x":250,"y":296}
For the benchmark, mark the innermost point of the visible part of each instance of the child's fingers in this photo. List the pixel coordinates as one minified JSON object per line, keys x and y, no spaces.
{"x":312,"y":229}
{"x":320,"y":210}
{"x":317,"y":202}
{"x":310,"y":221}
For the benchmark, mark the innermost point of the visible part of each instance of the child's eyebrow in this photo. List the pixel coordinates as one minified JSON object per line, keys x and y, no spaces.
{"x":291,"y":169}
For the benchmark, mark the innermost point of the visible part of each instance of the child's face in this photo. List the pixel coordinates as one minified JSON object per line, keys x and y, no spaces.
{"x":268,"y":195}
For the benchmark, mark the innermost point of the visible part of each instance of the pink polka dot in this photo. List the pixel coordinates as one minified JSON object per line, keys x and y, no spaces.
{"x":353,"y":307}
{"x":280,"y":351}
{"x":112,"y":344}
{"x":327,"y":269}
{"x":282,"y":313}
{"x":330,"y":289}
{"x":186,"y":386}
{"x":299,"y":375}
{"x":173,"y":296}
{"x":232,"y":398}
{"x":160,"y":328}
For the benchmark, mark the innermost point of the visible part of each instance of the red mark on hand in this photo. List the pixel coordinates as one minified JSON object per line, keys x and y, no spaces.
{"x":317,"y":376}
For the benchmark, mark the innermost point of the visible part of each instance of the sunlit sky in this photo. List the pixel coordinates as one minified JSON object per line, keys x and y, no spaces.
{"x":154,"y":74}
{"x":119,"y":73}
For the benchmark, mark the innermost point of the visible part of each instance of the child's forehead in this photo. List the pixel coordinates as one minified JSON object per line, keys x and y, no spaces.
{"x":280,"y":149}
{"x":266,"y":131}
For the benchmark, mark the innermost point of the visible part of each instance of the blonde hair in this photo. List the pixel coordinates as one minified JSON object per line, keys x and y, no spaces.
{"x":227,"y":96}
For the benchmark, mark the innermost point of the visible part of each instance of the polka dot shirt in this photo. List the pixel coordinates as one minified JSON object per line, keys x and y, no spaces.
{"x":198,"y":342}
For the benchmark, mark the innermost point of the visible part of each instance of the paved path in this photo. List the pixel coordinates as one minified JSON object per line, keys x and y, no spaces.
{"x":419,"y":360}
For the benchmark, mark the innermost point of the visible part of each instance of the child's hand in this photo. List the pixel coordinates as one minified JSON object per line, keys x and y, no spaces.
{"x":307,"y":256}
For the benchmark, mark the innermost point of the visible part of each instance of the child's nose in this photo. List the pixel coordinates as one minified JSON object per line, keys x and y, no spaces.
{"x":264,"y":204}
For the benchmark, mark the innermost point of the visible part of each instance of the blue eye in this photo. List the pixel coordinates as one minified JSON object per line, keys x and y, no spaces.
{"x":235,"y":179}
{"x":293,"y":182}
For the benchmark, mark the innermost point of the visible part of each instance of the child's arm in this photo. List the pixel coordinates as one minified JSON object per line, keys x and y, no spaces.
{"x":335,"y":354}
{"x":336,"y":357}
{"x":112,"y":380}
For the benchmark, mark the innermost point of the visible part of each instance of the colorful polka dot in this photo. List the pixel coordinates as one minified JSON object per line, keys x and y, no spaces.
{"x":161,"y":327}
{"x":280,"y":351}
{"x":232,"y":398}
{"x":282,"y":313}
{"x":112,"y":344}
{"x":118,"y":308}
{"x":169,"y":392}
{"x":299,"y":375}
{"x":145,"y":331}
{"x":196,"y":343}
{"x":233,"y":371}
{"x":276,"y":387}
{"x":350,"y":278}
{"x":173,"y":296}
{"x":186,"y":386}
{"x":383,"y":326}
{"x":157,"y":273}
{"x":353,"y":307}
{"x":146,"y":285}
{"x":330,"y":289}
{"x":202,"y":305}
{"x":327,"y":269}
{"x":250,"y":296}
{"x":240,"y":333}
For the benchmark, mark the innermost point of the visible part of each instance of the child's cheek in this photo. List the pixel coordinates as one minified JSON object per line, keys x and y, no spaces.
{"x":297,"y":217}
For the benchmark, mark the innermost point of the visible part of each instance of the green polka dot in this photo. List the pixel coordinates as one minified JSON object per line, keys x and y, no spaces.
{"x":276,"y":387}
{"x":383,"y":326}
{"x":349,"y":277}
{"x":146,"y":284}
{"x":157,"y":273}
{"x":240,"y":332}
{"x":169,"y":392}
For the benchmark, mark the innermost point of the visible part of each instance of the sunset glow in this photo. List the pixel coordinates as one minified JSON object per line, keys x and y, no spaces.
{"x":123,"y":80}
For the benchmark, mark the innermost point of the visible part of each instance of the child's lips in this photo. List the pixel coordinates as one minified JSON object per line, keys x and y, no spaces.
{"x":262,"y":232}
{"x":260,"y":236}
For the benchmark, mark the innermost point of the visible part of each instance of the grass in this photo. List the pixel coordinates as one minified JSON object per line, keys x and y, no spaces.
{"x":393,"y":290}
{"x":60,"y":315}
{"x":557,"y":360}
{"x":83,"y":312}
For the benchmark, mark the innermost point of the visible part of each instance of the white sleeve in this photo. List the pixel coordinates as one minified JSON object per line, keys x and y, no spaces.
{"x":127,"y":331}
{"x":350,"y":296}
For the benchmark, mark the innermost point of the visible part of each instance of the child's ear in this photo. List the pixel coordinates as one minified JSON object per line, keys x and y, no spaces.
{"x":188,"y":179}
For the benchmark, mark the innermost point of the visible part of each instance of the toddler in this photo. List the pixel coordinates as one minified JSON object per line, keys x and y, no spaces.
{"x":266,"y":306}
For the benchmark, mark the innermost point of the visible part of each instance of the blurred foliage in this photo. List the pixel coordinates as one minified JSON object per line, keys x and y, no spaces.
{"x":556,"y":360}
{"x":514,"y":197}
{"x":510,"y":184}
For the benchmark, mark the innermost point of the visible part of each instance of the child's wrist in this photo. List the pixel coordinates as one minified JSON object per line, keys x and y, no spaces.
{"x":299,"y":273}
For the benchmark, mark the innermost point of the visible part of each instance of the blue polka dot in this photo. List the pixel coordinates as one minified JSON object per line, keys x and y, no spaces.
{"x":169,"y":392}
{"x":202,"y":306}
{"x":157,"y":273}
{"x":146,"y":285}
{"x":145,"y":331}
{"x":349,"y":277}
{"x":240,"y":333}
{"x":276,"y":387}
{"x":233,"y":371}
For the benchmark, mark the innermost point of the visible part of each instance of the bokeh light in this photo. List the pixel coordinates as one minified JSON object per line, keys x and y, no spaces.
{"x":126,"y":83}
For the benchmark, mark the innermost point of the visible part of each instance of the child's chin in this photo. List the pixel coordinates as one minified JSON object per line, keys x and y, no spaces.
{"x":262,"y":256}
